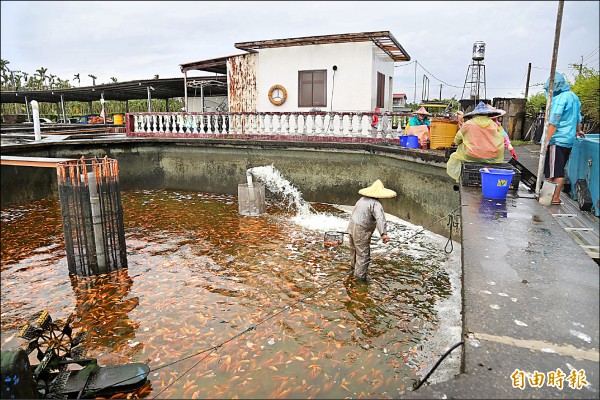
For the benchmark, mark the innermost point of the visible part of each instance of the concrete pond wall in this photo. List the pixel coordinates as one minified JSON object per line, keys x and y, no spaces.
{"x":324,"y":172}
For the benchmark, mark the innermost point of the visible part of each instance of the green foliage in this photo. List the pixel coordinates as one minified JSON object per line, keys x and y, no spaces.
{"x":534,"y":104}
{"x":587,"y":88}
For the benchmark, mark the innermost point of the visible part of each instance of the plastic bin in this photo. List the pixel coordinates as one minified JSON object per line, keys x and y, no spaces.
{"x":495,"y":182}
{"x":470,"y":175}
{"x":412,"y":142}
{"x":403,"y":141}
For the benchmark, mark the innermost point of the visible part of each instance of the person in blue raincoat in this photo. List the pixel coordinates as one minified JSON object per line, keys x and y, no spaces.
{"x":564,"y":126}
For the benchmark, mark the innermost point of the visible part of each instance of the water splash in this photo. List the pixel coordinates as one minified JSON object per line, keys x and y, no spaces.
{"x":278,"y":185}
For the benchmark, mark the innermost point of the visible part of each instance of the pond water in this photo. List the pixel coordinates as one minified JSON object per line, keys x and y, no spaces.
{"x":228,"y":306}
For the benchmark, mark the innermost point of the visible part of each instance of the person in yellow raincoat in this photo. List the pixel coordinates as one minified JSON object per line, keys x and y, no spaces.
{"x":478,"y":140}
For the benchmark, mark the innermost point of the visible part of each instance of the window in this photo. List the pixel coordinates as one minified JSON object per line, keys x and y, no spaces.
{"x":312,"y":88}
{"x":380,"y":90}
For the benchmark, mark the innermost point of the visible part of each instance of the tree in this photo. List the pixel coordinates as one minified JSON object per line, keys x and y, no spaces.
{"x":93,"y":79}
{"x":535,"y":104}
{"x":42,"y":74}
{"x":76,"y":76}
{"x":113,"y":79}
{"x":587,"y":88}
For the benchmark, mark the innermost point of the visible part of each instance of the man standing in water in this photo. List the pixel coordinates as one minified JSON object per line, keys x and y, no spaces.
{"x":368,"y":214}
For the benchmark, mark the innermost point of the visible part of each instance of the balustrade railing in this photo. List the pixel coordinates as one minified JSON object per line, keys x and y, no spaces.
{"x":267,"y":125}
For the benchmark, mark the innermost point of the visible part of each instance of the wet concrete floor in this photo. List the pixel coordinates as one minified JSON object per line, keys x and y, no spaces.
{"x":531,"y":298}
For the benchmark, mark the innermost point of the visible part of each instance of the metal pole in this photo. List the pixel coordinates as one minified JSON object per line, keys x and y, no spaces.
{"x":62,"y":103}
{"x":27,"y":108}
{"x":540,"y":171}
{"x":202,"y":96}
{"x":415,"y":98}
{"x":185,"y":103}
{"x":149,"y":99}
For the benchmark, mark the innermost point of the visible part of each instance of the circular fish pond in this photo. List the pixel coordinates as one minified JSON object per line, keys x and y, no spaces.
{"x":221,"y":305}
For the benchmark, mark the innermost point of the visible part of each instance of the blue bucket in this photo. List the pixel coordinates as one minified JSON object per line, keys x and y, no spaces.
{"x":403,"y":141}
{"x":495,"y":182}
{"x":412,"y":142}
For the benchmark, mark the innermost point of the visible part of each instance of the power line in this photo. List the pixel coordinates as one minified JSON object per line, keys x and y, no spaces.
{"x":404,"y":65}
{"x":438,"y":79}
{"x":592,"y":52}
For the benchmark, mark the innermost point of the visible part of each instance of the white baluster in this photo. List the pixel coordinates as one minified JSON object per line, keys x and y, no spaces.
{"x":350,"y":123}
{"x":194,"y":123}
{"x":295,"y":120}
{"x":331,"y":123}
{"x":239,"y":124}
{"x":135,"y":123}
{"x":153,"y":119}
{"x":360,"y":123}
{"x":341,"y":124}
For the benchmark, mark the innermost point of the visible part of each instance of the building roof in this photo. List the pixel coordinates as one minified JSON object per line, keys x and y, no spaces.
{"x":383,"y":39}
{"x":132,"y":90}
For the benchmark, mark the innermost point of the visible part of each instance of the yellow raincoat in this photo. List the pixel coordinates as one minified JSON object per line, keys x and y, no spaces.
{"x":478,"y":141}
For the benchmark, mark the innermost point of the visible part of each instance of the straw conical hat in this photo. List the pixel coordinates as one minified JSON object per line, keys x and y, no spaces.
{"x":502,"y":112}
{"x":483,"y":109}
{"x":376,"y":190}
{"x":422,"y":111}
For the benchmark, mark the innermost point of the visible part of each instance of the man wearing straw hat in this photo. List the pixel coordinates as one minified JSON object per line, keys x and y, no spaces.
{"x":368,"y":214}
{"x":478,"y":140}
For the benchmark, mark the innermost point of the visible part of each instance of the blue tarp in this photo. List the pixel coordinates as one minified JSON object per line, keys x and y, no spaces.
{"x":584,"y":163}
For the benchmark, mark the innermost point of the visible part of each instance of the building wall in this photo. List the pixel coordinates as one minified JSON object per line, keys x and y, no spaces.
{"x":241,"y":82}
{"x":323,"y":172}
{"x":354,"y":83}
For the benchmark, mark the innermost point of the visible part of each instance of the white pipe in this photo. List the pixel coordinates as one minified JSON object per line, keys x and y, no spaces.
{"x":36,"y":120}
{"x":251,"y":199}
{"x":97,"y":224}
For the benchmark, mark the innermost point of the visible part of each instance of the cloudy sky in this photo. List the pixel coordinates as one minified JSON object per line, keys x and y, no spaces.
{"x":137,"y":40}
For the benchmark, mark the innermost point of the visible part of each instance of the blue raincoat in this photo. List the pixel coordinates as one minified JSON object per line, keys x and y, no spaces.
{"x":565,"y":112}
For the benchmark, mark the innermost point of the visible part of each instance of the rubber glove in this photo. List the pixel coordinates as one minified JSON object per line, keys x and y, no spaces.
{"x":513,"y":153}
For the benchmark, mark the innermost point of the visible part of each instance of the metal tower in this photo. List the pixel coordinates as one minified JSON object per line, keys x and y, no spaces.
{"x":475,"y":78}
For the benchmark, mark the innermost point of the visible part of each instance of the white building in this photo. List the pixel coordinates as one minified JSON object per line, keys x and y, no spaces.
{"x":341,"y":73}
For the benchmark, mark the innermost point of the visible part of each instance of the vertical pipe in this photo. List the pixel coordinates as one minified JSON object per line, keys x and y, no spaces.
{"x":167,"y":104}
{"x":36,"y":120}
{"x":103,"y":112}
{"x":202,"y":96}
{"x":97,"y":223}
{"x":540,"y":171}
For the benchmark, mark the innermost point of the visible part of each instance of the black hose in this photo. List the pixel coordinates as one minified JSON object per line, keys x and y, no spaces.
{"x":422,"y":381}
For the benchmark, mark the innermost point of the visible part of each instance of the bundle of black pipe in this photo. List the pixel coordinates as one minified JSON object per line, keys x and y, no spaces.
{"x":92,"y":215}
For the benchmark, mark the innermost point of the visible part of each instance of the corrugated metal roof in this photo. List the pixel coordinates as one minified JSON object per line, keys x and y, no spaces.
{"x":161,"y":89}
{"x":383,"y":39}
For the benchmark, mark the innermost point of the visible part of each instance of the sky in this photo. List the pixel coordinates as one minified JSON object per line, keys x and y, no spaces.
{"x":139,"y":39}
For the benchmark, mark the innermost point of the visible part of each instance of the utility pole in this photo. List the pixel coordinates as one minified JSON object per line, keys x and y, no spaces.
{"x":527,"y":84}
{"x":540,"y":172}
{"x":526,"y":95}
{"x":415,"y":98}
{"x":580,"y":65}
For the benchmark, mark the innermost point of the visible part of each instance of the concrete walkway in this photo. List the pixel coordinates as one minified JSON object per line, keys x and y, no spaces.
{"x":531,"y":299}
